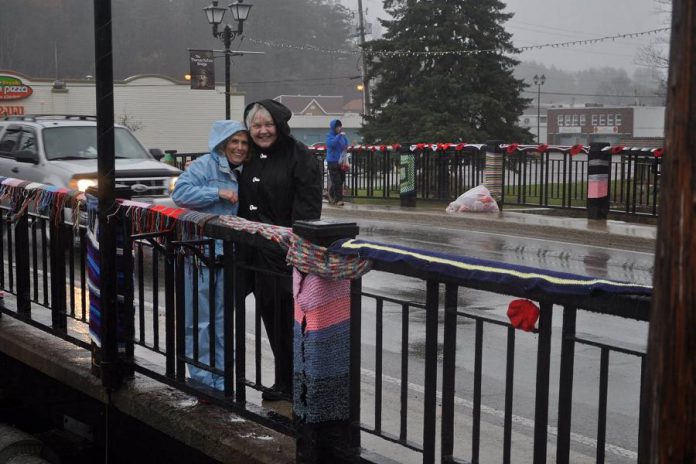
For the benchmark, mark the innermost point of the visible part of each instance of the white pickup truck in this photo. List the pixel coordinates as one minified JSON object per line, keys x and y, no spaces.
{"x":61,"y":150}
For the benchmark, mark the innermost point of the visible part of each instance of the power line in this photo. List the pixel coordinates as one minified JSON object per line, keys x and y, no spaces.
{"x":594,"y":94}
{"x":313,"y":48}
{"x":300,"y":79}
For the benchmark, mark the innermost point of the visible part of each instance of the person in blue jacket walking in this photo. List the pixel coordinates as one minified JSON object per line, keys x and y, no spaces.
{"x":210,"y":185}
{"x":336,"y":145}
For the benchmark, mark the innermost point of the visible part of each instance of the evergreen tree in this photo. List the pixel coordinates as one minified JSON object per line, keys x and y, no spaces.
{"x":461,"y":89}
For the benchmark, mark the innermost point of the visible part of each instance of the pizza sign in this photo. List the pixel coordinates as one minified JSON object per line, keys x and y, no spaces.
{"x":12,"y":88}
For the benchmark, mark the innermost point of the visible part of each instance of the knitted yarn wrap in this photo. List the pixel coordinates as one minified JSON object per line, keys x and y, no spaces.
{"x":302,"y":254}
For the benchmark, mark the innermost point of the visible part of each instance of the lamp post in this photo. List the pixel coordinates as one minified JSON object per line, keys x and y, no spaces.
{"x":215,"y":13}
{"x":539,"y":81}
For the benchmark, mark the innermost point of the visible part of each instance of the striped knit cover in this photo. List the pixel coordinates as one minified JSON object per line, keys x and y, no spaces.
{"x":493,"y":175}
{"x":124,"y":313}
{"x":322,"y":348}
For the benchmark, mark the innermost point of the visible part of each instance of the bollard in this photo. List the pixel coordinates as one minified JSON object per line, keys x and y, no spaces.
{"x":407,"y":183}
{"x":493,"y":173}
{"x":598,"y":167}
{"x":322,"y":358}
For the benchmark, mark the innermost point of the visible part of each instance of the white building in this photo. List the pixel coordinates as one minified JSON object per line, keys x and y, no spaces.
{"x":311,"y":116}
{"x":164,"y":113}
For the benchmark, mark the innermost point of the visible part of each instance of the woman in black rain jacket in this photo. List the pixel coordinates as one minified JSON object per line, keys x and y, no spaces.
{"x":281,"y":184}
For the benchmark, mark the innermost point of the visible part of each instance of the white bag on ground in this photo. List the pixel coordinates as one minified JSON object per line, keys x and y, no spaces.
{"x":478,"y":199}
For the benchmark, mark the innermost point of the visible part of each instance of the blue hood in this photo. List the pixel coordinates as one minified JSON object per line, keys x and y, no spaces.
{"x":220,"y":132}
{"x":332,"y":126}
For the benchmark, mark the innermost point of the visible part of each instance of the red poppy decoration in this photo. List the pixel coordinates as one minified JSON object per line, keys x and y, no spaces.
{"x":420,"y":146}
{"x":396,"y":147}
{"x":382,"y":148}
{"x":658,"y":152}
{"x":459,"y":146}
{"x":523,"y":314}
{"x":575,"y":149}
{"x":617,"y":150}
{"x":512,"y":148}
{"x":543,"y":148}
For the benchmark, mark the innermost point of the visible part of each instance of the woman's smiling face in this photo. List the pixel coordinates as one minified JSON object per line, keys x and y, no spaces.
{"x":237,"y":148}
{"x":263,"y":130}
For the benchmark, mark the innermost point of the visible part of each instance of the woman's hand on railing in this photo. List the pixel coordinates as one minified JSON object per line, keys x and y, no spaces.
{"x":229,"y":195}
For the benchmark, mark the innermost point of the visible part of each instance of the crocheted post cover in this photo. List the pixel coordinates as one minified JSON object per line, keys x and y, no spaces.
{"x":524,"y":278}
{"x":124,"y":312}
{"x":322,"y":348}
{"x":493,"y":175}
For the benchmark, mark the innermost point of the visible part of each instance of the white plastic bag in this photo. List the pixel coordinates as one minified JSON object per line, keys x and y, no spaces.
{"x":478,"y":199}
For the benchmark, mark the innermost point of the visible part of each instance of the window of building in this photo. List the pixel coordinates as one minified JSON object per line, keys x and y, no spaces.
{"x":576,"y":119}
{"x":594,"y":120}
{"x":602,"y":119}
{"x":618,"y":119}
{"x":610,"y":120}
{"x":582,"y":119}
{"x":568,"y":120}
{"x":560,"y":120}
{"x":526,"y":121}
{"x":542,"y":119}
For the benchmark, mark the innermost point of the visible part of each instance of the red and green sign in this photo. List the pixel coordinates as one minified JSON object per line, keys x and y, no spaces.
{"x":12,"y":88}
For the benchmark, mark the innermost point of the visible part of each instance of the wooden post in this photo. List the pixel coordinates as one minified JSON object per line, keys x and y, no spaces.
{"x":671,"y":372}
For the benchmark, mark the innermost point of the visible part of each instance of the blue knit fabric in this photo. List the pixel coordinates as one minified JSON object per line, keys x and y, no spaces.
{"x":473,"y":270}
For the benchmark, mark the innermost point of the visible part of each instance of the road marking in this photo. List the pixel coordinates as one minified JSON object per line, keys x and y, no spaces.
{"x":553,"y":431}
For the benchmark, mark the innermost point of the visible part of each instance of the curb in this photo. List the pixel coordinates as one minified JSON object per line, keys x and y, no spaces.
{"x":612,"y":234}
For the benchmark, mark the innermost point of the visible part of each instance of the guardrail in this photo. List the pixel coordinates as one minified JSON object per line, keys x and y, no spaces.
{"x":43,"y":272}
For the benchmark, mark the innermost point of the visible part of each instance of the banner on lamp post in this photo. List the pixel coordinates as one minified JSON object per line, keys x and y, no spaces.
{"x":202,"y":69}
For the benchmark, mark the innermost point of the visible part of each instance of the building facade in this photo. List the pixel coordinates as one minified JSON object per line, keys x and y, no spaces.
{"x":615,"y":125}
{"x":162,"y":112}
{"x":311,"y":116}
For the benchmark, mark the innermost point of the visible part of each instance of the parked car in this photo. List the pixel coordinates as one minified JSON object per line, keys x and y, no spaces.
{"x":61,"y":150}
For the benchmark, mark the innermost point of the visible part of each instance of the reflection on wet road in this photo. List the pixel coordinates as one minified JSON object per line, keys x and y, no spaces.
{"x":610,"y":263}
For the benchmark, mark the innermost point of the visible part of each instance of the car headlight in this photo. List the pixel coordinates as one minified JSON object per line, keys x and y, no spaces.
{"x":171,"y":184}
{"x":82,"y":184}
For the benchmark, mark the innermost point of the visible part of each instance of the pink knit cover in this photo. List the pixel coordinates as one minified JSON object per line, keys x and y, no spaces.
{"x":321,"y":302}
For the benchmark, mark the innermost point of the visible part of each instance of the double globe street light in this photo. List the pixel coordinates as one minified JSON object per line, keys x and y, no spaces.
{"x":215,"y":14}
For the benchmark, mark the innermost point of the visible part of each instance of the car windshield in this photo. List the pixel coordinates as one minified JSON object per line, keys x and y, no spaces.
{"x":80,"y":142}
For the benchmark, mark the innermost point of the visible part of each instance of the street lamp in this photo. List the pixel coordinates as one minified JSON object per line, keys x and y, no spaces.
{"x":539,"y":81}
{"x":215,"y":13}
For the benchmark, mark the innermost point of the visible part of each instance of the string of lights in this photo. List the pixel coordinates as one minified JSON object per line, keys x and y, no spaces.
{"x":571,"y":43}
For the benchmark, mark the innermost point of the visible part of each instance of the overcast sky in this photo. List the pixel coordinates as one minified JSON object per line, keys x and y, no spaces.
{"x":549,"y":21}
{"x":552,"y":21}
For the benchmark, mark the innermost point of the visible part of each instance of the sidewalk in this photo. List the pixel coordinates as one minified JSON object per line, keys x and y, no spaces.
{"x":609,"y":233}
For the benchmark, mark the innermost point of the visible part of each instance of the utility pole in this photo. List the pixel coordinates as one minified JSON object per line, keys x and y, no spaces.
{"x":366,"y":88}
{"x":669,"y":427}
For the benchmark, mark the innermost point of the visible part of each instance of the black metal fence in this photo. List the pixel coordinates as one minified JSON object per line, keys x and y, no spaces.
{"x":412,"y":388}
{"x":555,"y":177}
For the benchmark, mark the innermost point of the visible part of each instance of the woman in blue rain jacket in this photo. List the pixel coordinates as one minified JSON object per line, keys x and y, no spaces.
{"x":210,"y":185}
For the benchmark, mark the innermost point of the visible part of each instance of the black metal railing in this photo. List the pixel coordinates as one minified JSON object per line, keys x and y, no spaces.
{"x":43,"y":272}
{"x":553,"y":178}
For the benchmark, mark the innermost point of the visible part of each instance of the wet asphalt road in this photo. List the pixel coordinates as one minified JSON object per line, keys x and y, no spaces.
{"x":559,"y":255}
